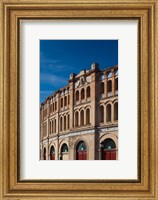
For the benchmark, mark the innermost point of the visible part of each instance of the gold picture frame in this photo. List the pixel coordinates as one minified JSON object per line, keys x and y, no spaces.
{"x":146,"y":187}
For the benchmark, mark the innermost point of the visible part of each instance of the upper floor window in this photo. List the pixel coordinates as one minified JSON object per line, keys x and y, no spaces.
{"x":88,"y":92}
{"x":116,"y":84}
{"x":109,"y":74}
{"x":76,"y":119}
{"x":109,"y":86}
{"x":88,"y":116}
{"x":108,"y":113}
{"x":116,"y":111}
{"x":55,"y":126}
{"x":102,"y":88}
{"x":64,"y":123}
{"x":101,"y":114}
{"x":56,"y":105}
{"x":101,"y":77}
{"x":82,"y":94}
{"x":68,"y":121}
{"x":82,"y":118}
{"x":77,"y":95}
{"x":61,"y":124}
{"x":51,"y":108}
{"x":61,"y":101}
{"x":116,"y":72}
{"x":65,"y":101}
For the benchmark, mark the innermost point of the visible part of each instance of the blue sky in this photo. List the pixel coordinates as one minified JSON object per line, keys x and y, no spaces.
{"x":60,"y":58}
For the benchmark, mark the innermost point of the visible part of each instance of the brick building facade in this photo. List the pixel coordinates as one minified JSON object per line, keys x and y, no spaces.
{"x":80,"y":120}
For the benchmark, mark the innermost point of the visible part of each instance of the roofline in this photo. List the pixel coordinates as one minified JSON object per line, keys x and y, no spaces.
{"x":106,"y":69}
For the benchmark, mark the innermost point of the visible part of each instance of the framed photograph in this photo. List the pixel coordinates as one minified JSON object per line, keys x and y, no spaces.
{"x":78,"y":117}
{"x":79,"y":100}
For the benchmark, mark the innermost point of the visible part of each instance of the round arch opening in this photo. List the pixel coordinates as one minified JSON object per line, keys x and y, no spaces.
{"x":44,"y":153}
{"x":108,"y":149}
{"x":64,"y":152}
{"x":81,"y":151}
{"x":52,"y":153}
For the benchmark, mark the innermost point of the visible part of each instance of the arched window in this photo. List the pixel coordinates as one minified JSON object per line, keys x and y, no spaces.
{"x":61,"y":124}
{"x":82,"y":118}
{"x":68,"y":99}
{"x":101,"y":114}
{"x":109,"y":86}
{"x":53,"y":107}
{"x":76,"y":119}
{"x":88,"y":92}
{"x":68,"y":121}
{"x":52,"y":126}
{"x":116,"y":111}
{"x":81,"y":146}
{"x":116,"y":84}
{"x":64,"y":122}
{"x":56,"y":105}
{"x":108,"y":149}
{"x":109,"y":144}
{"x":88,"y":116}
{"x":64,"y":152}
{"x":102,"y":88}
{"x":52,"y":153}
{"x":44,"y":154}
{"x":81,"y":151}
{"x":116,"y":72}
{"x":82,"y":93}
{"x":61,"y":101}
{"x":65,"y":101}
{"x":108,"y":113}
{"x":77,"y":95}
{"x":55,"y":126}
{"x":64,"y":148}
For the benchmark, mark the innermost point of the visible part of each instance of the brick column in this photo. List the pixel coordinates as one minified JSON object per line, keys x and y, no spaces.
{"x":71,"y":84}
{"x":84,"y":116}
{"x":48,"y":107}
{"x":47,"y":127}
{"x":93,"y":99}
{"x":57,"y":133}
{"x":63,"y":123}
{"x":104,"y":114}
{"x":66,"y":122}
{"x":79,"y":118}
{"x":105,"y":85}
{"x":113,"y":82}
{"x":112,"y":113}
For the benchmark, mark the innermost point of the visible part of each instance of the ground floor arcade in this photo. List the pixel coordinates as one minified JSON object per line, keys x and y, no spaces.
{"x":99,"y":144}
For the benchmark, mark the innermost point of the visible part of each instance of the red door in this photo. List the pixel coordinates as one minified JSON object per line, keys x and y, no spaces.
{"x":81,"y":155}
{"x":109,"y":155}
{"x":52,"y":156}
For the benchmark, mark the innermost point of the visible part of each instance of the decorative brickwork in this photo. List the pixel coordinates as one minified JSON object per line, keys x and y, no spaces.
{"x":80,"y":120}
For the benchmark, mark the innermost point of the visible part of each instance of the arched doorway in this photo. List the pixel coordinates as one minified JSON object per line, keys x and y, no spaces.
{"x":81,"y":151}
{"x":52,"y":153}
{"x":64,"y":152}
{"x":108,"y":150}
{"x":44,"y":154}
